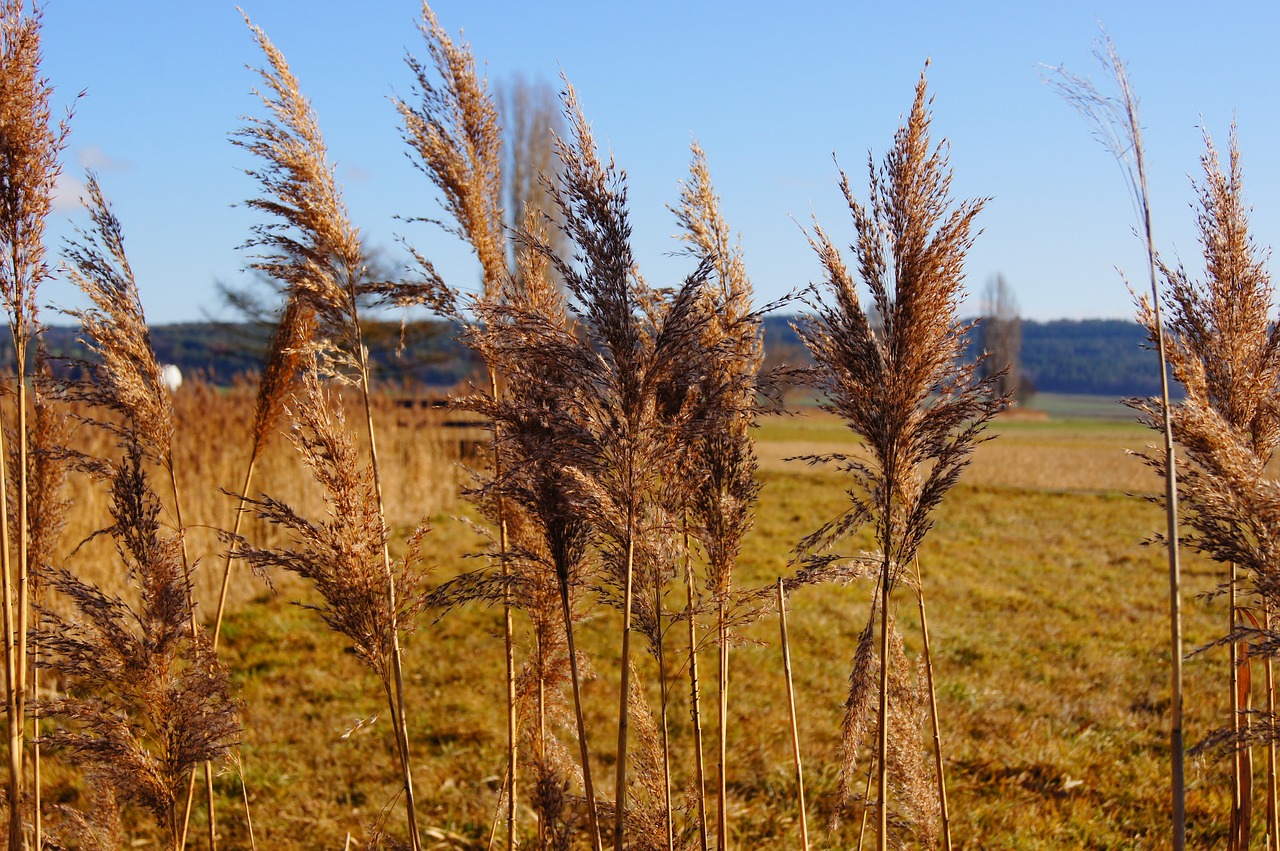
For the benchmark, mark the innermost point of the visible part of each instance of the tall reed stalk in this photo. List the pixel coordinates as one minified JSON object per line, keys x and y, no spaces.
{"x":940,"y":764}
{"x":791,"y":709}
{"x":455,"y":135}
{"x":312,"y":248}
{"x":1224,"y":349}
{"x":29,"y":149}
{"x":905,"y":392}
{"x":1114,"y":119}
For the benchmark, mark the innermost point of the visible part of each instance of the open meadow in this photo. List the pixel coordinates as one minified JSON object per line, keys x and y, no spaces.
{"x":1048,"y":618}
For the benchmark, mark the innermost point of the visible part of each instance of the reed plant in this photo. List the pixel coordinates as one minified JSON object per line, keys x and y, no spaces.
{"x":29,"y":168}
{"x":124,"y":379}
{"x":310,"y":246}
{"x":454,"y":134}
{"x":633,"y":343}
{"x":162,"y":705}
{"x":1224,"y":349}
{"x":718,"y":445}
{"x":905,"y":391}
{"x":582,"y":418}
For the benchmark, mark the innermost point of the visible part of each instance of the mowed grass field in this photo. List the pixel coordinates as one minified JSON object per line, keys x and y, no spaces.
{"x":1049,"y":621}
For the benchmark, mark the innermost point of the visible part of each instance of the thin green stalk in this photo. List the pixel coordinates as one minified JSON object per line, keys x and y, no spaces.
{"x":791,"y":706}
{"x":584,"y":750}
{"x":620,"y":794}
{"x":695,"y":697}
{"x":933,"y":714}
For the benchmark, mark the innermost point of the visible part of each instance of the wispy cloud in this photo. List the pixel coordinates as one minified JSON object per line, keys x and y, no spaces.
{"x":68,"y":192}
{"x":356,"y":174}
{"x":94,"y":157}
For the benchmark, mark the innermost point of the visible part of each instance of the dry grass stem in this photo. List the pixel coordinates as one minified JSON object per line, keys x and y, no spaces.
{"x":791,"y":703}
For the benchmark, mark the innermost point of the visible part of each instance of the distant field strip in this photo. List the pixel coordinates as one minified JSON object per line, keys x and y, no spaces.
{"x":1056,"y":455}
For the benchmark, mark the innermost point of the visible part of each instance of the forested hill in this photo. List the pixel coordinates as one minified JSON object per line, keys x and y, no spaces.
{"x":1095,"y":356}
{"x":1104,"y":357}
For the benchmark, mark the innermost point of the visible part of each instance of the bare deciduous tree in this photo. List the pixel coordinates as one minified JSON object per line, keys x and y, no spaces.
{"x":1000,"y":336}
{"x":531,"y":121}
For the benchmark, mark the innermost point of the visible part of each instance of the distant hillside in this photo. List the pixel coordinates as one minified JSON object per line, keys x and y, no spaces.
{"x":1102,"y":357}
{"x":1094,"y":356}
{"x":224,"y":352}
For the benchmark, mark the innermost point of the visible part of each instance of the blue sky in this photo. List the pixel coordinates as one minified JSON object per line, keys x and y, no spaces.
{"x":770,"y":90}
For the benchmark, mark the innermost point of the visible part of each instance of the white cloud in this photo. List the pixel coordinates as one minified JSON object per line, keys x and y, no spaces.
{"x":356,"y":174}
{"x":94,"y":157}
{"x":68,"y":193}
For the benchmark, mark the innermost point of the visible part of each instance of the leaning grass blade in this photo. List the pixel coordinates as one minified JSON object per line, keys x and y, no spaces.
{"x":695,"y":699}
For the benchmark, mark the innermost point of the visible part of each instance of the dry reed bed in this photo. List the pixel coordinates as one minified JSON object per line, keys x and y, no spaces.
{"x":211,"y":453}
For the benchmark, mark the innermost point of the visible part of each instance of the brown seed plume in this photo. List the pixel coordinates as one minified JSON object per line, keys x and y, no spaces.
{"x":901,"y":387}
{"x":146,"y":700}
{"x":342,"y":555}
{"x":125,"y":379}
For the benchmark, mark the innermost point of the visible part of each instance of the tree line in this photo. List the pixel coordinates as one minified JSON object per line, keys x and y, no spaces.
{"x":1100,"y":357}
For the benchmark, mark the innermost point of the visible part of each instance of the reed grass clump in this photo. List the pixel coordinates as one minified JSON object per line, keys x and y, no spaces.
{"x":1224,"y":349}
{"x":311,"y":247}
{"x":145,"y":700}
{"x":30,"y":147}
{"x":455,"y":139}
{"x":903,"y":389}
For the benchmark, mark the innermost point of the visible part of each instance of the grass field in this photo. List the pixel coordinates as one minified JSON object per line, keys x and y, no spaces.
{"x":1049,"y":621}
